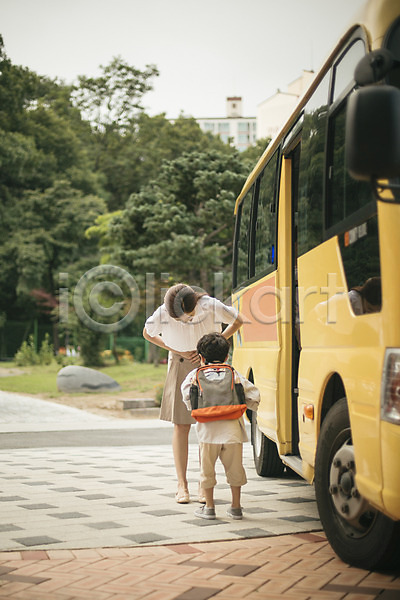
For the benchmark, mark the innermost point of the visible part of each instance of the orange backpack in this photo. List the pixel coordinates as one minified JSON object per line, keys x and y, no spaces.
{"x":217,"y":399}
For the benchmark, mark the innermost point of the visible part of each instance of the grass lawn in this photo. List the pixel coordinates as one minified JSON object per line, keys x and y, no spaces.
{"x":133,"y":377}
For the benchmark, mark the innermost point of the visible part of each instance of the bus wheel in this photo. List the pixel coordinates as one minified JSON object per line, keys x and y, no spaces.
{"x":358,"y":533}
{"x":265,"y":453}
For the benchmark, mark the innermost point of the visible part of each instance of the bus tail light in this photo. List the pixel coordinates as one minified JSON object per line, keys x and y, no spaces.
{"x":390,"y":394}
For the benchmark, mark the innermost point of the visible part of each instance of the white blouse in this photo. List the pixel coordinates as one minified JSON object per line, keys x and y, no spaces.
{"x":181,"y":336}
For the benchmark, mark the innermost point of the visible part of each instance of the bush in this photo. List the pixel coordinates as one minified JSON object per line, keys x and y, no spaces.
{"x":91,"y":344}
{"x":27,"y":355}
{"x":46,"y":351}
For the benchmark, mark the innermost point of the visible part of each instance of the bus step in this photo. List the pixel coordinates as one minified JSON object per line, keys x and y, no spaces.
{"x":294,"y":462}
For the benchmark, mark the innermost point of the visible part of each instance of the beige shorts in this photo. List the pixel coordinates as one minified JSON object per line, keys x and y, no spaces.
{"x":231,"y":457}
{"x":172,"y":406}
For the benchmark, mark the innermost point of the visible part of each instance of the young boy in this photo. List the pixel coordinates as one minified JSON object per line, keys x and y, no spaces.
{"x":221,"y":439}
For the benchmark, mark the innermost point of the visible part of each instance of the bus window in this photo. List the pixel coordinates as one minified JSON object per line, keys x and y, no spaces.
{"x":312,"y":160}
{"x":243,"y":239}
{"x":350,"y":204}
{"x":344,"y":70}
{"x":265,"y":231}
{"x":359,"y":247}
{"x":346,"y":195}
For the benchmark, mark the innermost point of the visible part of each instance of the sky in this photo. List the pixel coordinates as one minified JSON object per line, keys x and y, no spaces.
{"x":205,"y":50}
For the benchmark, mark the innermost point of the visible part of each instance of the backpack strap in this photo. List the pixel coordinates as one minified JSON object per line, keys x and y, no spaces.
{"x":216,"y":366}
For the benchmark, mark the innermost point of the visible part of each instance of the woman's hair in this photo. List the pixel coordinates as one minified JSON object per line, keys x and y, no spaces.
{"x":213,"y":347}
{"x":180,"y":299}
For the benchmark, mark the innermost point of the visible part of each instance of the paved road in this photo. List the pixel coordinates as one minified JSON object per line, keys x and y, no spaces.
{"x":86,"y":438}
{"x":89,"y":481}
{"x":27,"y":422}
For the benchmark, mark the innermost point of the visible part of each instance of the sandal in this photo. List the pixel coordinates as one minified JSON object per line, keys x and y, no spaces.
{"x":182,"y":496}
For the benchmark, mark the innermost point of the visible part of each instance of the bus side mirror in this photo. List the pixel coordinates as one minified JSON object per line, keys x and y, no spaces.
{"x":373,"y":133}
{"x":374,"y":66}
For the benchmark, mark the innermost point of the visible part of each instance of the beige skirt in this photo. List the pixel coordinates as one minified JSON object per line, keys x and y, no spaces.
{"x":172,"y":406}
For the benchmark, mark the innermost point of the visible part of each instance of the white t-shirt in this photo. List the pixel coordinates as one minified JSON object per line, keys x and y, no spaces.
{"x":209,"y":315}
{"x":356,"y":302}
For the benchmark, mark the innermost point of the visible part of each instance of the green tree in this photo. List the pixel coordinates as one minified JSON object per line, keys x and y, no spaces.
{"x":158,"y":139}
{"x":112,"y":100}
{"x":51,"y":234}
{"x":182,"y":222}
{"x":131,"y":158}
{"x":253,"y":153}
{"x":112,"y":103}
{"x":45,"y":147}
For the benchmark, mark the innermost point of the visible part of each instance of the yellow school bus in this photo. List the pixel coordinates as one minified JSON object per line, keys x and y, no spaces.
{"x":316,"y":276}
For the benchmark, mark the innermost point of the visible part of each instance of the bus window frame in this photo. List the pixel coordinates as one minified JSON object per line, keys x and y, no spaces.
{"x":277,"y":156}
{"x":293,"y":136}
{"x":235,"y":283}
{"x":252,"y":277}
{"x":253,"y":223}
{"x":358,"y":35}
{"x":369,"y":209}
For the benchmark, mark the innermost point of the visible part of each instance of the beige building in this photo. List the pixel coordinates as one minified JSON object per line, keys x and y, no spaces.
{"x":273,"y":112}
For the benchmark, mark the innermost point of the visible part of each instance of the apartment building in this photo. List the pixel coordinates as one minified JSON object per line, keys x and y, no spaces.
{"x":272,"y":113}
{"x":233,"y":129}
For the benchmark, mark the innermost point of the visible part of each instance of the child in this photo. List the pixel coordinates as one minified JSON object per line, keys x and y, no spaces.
{"x":224,"y":438}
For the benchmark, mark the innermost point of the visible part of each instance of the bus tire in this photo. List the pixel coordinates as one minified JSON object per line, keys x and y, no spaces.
{"x":266,"y":458}
{"x":359,"y":534}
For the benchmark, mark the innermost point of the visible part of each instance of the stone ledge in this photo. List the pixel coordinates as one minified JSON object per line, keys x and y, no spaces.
{"x":145,"y":413}
{"x":132,"y":403}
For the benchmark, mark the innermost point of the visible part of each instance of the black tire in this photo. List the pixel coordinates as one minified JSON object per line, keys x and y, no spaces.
{"x":266,"y":458}
{"x":359,"y":534}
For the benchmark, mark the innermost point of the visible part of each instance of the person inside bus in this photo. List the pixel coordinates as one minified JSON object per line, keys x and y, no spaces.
{"x":366,"y":298}
{"x":177,"y":325}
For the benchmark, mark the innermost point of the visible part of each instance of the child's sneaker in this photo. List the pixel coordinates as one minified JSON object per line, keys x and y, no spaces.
{"x":235,"y":513}
{"x":205,"y":513}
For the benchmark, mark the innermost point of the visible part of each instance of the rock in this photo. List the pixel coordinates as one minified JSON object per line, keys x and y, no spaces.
{"x":82,"y":379}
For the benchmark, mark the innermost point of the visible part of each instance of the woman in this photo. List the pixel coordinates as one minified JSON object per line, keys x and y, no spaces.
{"x":177,"y":325}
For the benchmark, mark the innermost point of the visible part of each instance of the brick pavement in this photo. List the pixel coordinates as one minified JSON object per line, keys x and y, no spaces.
{"x":298,"y":566}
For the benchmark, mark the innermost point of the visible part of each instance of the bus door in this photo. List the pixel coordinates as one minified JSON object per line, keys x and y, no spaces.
{"x":296,"y":341}
{"x":291,"y":344}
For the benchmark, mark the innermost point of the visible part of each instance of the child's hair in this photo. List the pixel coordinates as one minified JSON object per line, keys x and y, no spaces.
{"x":180,"y":299}
{"x":213,"y":347}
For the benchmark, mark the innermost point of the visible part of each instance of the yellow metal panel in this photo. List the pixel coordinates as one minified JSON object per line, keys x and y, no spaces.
{"x":334,"y":340}
{"x":391,"y":468}
{"x":257,"y":346}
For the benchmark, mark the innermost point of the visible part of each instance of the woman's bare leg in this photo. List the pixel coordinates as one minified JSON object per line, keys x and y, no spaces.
{"x":180,"y":447}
